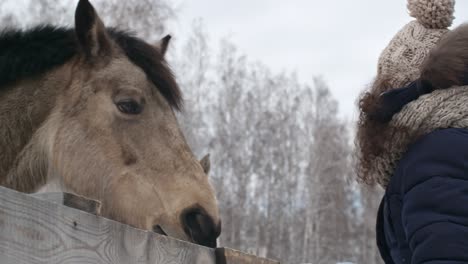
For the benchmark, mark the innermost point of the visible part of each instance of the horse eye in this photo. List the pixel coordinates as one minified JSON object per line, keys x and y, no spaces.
{"x":129,"y":107}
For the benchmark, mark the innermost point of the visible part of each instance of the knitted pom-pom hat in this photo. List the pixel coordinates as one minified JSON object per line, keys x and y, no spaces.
{"x":400,"y":61}
{"x":436,"y":14}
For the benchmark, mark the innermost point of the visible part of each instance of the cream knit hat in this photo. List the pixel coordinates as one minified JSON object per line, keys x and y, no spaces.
{"x":400,"y":61}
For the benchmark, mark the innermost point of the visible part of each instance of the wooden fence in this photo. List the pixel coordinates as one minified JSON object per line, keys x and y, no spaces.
{"x":50,"y":229}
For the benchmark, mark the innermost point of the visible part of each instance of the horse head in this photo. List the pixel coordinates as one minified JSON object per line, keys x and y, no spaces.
{"x":110,"y":133}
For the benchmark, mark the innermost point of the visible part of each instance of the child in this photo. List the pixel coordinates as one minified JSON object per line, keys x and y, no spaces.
{"x":413,"y":141}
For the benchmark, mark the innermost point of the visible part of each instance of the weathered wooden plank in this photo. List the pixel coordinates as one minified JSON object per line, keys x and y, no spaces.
{"x":231,"y":256}
{"x":36,"y":231}
{"x":71,"y":200}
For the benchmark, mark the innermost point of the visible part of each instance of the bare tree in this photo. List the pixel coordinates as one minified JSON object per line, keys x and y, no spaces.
{"x":193,"y":66}
{"x":148,"y":18}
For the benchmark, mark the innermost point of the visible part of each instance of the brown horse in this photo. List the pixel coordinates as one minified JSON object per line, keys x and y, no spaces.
{"x":90,"y":111}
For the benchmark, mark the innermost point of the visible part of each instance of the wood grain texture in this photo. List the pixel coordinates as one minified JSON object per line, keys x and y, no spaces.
{"x":35,"y":231}
{"x":231,"y":256}
{"x":71,"y":200}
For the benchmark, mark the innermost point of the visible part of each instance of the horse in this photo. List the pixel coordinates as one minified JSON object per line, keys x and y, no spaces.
{"x":90,"y":110}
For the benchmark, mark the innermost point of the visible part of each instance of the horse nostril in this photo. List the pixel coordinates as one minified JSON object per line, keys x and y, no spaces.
{"x":200,"y":227}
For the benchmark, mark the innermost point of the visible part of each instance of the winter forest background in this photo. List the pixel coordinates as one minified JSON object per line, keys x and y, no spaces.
{"x":281,"y":155}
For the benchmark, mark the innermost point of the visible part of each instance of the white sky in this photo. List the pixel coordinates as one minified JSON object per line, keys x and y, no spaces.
{"x":337,"y":39}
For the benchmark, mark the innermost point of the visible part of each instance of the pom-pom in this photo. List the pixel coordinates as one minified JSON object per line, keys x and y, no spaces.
{"x":433,"y":14}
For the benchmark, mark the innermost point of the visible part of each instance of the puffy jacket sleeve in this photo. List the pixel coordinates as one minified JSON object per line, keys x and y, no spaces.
{"x":435,"y":200}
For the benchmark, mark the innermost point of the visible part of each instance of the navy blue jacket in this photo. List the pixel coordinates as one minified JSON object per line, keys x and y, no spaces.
{"x":423,"y":217}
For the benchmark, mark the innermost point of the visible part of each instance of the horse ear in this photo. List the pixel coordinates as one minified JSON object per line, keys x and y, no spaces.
{"x":206,"y":164}
{"x":163,"y":44}
{"x":90,"y":30}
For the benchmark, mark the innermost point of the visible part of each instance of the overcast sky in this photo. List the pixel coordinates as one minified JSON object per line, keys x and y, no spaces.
{"x":337,"y":39}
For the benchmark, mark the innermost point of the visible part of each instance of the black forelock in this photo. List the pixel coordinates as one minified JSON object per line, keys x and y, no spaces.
{"x":28,"y":53}
{"x":152,"y":62}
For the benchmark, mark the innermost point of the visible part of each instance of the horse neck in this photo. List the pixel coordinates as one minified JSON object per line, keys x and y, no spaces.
{"x":24,"y":108}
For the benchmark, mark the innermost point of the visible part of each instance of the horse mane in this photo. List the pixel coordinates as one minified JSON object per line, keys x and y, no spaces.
{"x":31,"y":52}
